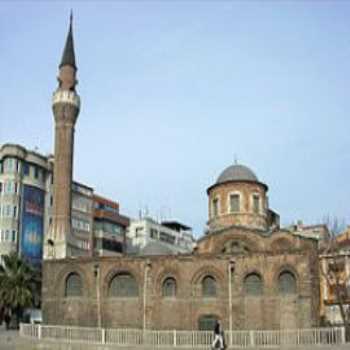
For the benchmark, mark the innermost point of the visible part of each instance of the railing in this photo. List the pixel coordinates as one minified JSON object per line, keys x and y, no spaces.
{"x":185,"y":339}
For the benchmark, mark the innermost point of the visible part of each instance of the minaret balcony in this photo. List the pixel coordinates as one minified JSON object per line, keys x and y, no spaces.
{"x":66,"y":96}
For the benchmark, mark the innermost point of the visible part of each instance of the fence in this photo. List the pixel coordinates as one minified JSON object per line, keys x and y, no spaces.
{"x":185,"y":339}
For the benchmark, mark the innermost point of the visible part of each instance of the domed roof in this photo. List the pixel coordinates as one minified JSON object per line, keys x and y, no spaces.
{"x":237,"y":172}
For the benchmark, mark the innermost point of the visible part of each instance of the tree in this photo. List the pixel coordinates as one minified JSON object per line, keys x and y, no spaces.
{"x":334,"y":272}
{"x":18,"y":284}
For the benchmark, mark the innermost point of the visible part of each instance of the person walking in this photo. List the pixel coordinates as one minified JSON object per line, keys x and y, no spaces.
{"x":7,"y":319}
{"x":218,"y":336}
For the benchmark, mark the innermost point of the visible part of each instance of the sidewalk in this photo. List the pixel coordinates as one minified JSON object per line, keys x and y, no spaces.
{"x":8,"y":339}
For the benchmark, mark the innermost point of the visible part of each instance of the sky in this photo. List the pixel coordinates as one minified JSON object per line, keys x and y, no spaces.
{"x":173,"y":91}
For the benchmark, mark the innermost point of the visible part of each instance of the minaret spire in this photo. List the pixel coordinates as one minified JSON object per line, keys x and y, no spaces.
{"x":68,"y":57}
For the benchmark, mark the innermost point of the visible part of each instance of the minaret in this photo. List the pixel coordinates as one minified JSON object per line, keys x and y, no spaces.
{"x":65,"y":106}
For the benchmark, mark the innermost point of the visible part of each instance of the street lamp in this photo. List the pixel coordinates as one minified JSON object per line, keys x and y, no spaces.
{"x":97,"y":281}
{"x":148,"y":265}
{"x":231,"y":270}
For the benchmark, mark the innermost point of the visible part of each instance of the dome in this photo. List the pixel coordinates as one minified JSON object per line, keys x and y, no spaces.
{"x":237,"y":172}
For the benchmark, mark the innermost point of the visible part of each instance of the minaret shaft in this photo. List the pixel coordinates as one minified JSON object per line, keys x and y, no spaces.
{"x":63,"y":176}
{"x":65,"y":107}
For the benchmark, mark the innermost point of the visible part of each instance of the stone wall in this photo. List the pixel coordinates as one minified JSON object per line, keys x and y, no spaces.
{"x":271,"y":310}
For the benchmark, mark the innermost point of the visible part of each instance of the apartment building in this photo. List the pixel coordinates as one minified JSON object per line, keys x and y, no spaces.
{"x":147,"y":236}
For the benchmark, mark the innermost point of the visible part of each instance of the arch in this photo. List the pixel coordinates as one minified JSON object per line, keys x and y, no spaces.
{"x":235,"y":247}
{"x":207,"y":322}
{"x":124,"y":285}
{"x":287,"y":283}
{"x":121,"y":269}
{"x":73,"y":285}
{"x":208,"y":286}
{"x":253,"y":284}
{"x":250,"y":242}
{"x":207,"y":270}
{"x":58,"y":288}
{"x":169,"y":287}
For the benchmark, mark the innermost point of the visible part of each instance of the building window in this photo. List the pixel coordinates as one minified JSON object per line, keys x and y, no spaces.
{"x":13,"y":236}
{"x":287,"y":283}
{"x":253,"y":284}
{"x":81,"y":225}
{"x":111,"y":245}
{"x":36,"y":172}
{"x":7,"y":211}
{"x":9,"y":165}
{"x":74,"y":286}
{"x":208,"y":286}
{"x":138,"y":231}
{"x":165,"y":237}
{"x":9,"y":187}
{"x":234,"y":203}
{"x":256,"y":204}
{"x":15,"y":211}
{"x":207,"y":322}
{"x":51,"y":201}
{"x":26,"y":169}
{"x":123,"y":285}
{"x":0,"y":187}
{"x":154,"y":233}
{"x":215,"y":207}
{"x":169,"y":287}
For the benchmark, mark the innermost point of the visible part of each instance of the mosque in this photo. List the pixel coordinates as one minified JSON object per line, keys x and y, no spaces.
{"x":245,"y":271}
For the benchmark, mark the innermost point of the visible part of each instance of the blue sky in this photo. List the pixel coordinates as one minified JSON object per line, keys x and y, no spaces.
{"x":172,"y":90}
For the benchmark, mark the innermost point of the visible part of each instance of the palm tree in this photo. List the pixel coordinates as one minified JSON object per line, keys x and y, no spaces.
{"x":18,"y":284}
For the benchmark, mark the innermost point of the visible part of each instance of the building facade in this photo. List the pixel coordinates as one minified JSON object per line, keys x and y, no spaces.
{"x":26,"y":209}
{"x":146,"y":235}
{"x":335,"y":280}
{"x":23,"y":187}
{"x":109,"y":227}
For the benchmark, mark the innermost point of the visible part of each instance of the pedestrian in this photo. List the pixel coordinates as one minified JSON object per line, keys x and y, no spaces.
{"x":218,"y":336}
{"x":7,"y":319}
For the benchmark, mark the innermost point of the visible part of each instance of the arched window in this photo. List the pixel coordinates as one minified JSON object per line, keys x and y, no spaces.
{"x":253,"y":284}
{"x":207,"y":322}
{"x":234,"y":203}
{"x":287,"y":283}
{"x":209,"y":286}
{"x":215,"y":207}
{"x":235,"y":247}
{"x":123,"y":285}
{"x":256,"y":204}
{"x":169,"y":287}
{"x":74,"y":287}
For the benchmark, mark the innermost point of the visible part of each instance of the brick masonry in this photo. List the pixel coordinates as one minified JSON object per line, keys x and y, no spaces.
{"x":267,"y":256}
